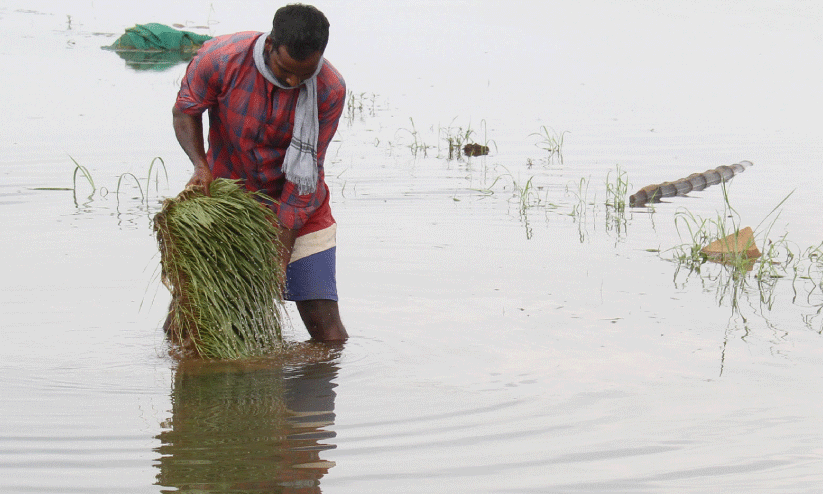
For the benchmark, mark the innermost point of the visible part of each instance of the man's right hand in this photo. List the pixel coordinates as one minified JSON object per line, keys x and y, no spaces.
{"x":202,"y":177}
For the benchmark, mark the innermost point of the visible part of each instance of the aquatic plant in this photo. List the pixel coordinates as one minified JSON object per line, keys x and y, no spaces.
{"x":740,"y":253}
{"x":527,"y":194}
{"x":581,"y":195}
{"x":617,"y":189}
{"x":220,"y":261}
{"x":455,"y":138}
{"x":486,"y":141}
{"x":527,"y":197}
{"x":737,"y":275}
{"x":808,"y":271}
{"x":144,"y":197}
{"x":810,"y":267}
{"x":581,"y":205}
{"x":136,"y":181}
{"x":417,"y":145}
{"x":78,"y":168}
{"x":360,"y":104}
{"x":459,"y":139}
{"x":690,"y":253}
{"x":82,"y":171}
{"x":550,"y":141}
{"x":156,"y":175}
{"x":489,"y":189}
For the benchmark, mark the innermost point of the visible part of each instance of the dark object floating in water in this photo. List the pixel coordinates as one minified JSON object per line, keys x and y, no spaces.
{"x":695,"y":181}
{"x":156,"y":46}
{"x":475,"y":149}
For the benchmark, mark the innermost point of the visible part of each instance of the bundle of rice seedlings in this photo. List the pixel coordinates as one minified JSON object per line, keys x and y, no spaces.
{"x":221,"y":263}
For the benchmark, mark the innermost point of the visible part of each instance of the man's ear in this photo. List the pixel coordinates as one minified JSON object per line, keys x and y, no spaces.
{"x":269,"y":43}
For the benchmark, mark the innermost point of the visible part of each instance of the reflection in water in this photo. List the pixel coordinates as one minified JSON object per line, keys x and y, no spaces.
{"x":154,"y":60}
{"x":753,"y":294}
{"x":248,"y":427}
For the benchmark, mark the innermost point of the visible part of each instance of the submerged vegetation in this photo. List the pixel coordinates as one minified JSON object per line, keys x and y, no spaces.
{"x":155,"y":166}
{"x":78,"y":168}
{"x":617,"y":188}
{"x":220,"y":261}
{"x":455,"y":139}
{"x":700,"y":232}
{"x":460,"y":141}
{"x":417,"y":144}
{"x":145,"y":197}
{"x":452,"y":142}
{"x":551,"y":142}
{"x":360,"y":105}
{"x":737,"y":272}
{"x":531,"y":189}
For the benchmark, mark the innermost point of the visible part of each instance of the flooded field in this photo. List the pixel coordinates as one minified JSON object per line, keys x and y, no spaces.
{"x":514,"y":327}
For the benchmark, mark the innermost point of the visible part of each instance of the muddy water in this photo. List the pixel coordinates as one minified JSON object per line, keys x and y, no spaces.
{"x":505,"y":337}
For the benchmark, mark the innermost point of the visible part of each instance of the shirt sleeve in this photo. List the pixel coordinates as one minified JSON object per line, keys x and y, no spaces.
{"x":202,"y":81}
{"x":295,"y":209}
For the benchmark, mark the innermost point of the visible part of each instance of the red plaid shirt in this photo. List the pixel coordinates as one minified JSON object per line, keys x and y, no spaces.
{"x":251,"y":120}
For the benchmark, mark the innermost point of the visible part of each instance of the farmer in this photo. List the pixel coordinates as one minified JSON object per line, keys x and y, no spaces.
{"x":274,"y":104}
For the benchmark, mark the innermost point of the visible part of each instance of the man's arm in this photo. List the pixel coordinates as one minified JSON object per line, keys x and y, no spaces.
{"x":189,"y":132}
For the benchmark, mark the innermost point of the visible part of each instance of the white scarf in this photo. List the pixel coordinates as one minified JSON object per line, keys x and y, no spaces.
{"x":300,"y":162}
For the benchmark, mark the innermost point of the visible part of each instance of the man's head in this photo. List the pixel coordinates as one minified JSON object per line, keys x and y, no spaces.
{"x":301,"y":29}
{"x":296,"y":44}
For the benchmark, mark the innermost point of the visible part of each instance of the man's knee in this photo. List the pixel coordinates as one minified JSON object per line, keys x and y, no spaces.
{"x":322,"y":319}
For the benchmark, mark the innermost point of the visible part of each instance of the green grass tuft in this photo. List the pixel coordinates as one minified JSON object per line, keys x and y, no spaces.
{"x":617,"y":189}
{"x":551,"y":142}
{"x":220,"y":260}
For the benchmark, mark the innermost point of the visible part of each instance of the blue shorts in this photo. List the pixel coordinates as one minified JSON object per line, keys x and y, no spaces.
{"x":311,"y":271}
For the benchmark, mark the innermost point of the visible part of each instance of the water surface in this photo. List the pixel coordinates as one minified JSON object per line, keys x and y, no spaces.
{"x":501,"y":341}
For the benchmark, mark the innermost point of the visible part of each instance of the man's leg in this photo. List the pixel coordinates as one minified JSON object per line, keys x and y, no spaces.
{"x":322,"y":319}
{"x":311,"y":283}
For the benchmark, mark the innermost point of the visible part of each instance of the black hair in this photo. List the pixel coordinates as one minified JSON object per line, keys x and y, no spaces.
{"x":302,"y":29}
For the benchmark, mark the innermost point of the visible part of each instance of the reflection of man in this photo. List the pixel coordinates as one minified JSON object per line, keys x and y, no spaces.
{"x":274,"y":104}
{"x":240,"y":428}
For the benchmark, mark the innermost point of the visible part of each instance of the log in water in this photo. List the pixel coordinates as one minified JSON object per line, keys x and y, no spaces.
{"x":681,"y":187}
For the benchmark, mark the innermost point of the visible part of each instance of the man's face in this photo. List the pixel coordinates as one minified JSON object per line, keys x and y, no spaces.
{"x":288,"y":71}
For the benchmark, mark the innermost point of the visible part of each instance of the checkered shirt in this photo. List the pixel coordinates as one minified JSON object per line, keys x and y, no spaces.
{"x":251,"y":120}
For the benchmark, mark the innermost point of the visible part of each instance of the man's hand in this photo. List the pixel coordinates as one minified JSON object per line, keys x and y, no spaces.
{"x":202,"y":177}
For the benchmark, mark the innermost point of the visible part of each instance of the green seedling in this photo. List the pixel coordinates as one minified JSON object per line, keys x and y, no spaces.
{"x":417,"y":145}
{"x":455,"y":138}
{"x":581,"y":195}
{"x":461,"y":142}
{"x":136,"y":181}
{"x":551,"y":142}
{"x":156,"y":175}
{"x":617,"y":189}
{"x":78,"y":168}
{"x":360,"y":104}
{"x":486,"y":141}
{"x":221,"y":262}
{"x":777,"y":258}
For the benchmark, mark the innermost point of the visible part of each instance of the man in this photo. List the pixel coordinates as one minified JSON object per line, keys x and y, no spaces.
{"x":274,"y":104}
